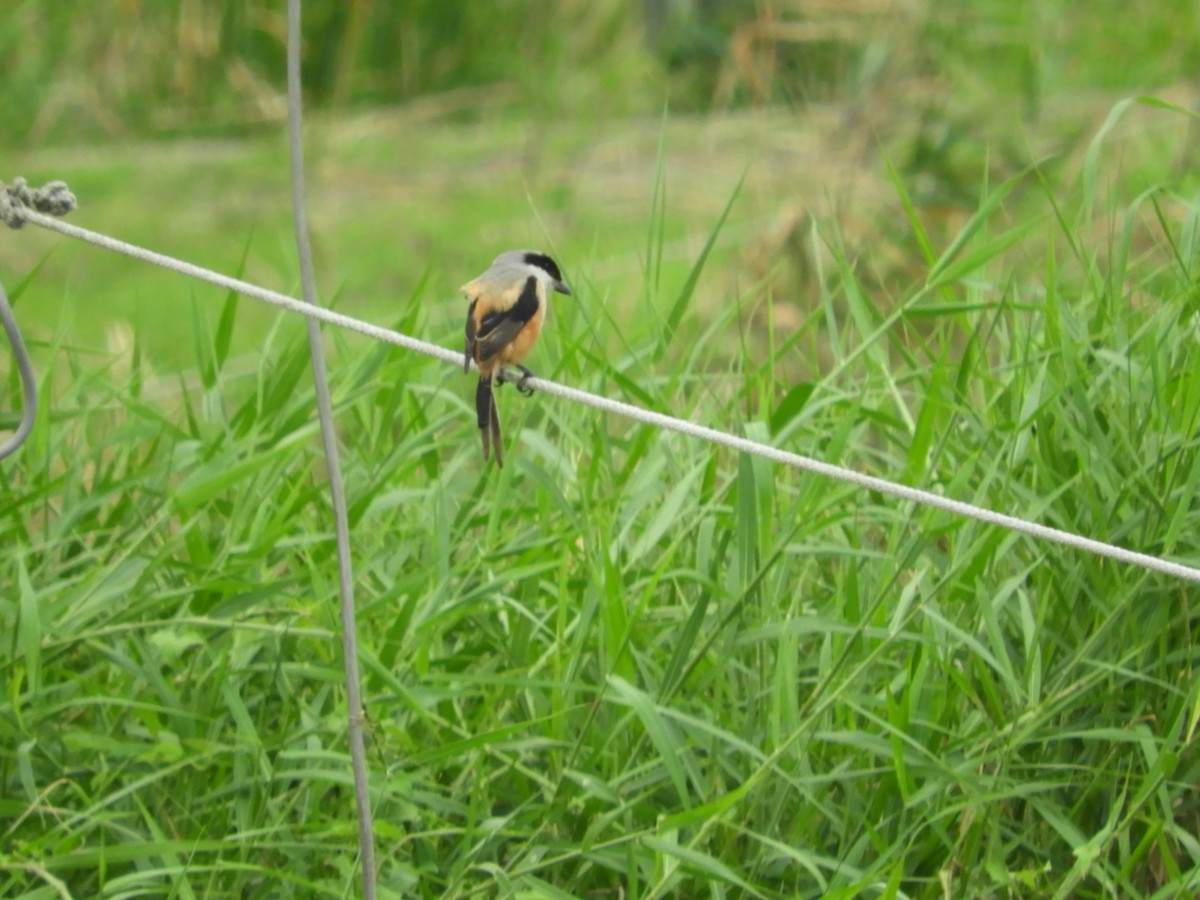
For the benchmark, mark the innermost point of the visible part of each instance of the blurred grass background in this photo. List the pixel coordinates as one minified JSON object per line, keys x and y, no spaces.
{"x":439,"y":135}
{"x":950,"y":253}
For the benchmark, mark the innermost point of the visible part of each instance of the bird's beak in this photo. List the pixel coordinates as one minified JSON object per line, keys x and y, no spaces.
{"x":562,"y":288}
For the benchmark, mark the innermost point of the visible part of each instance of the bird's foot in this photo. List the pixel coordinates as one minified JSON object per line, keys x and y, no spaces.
{"x":525,"y":376}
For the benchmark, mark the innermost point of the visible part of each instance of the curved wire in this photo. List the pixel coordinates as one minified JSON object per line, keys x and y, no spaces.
{"x":16,"y":199}
{"x":28,"y":382}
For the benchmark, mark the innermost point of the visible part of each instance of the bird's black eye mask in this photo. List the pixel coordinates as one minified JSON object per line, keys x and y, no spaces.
{"x":545,"y":263}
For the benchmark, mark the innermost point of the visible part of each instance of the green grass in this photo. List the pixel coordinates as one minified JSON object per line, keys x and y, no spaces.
{"x":627,"y":664}
{"x":630,"y":661}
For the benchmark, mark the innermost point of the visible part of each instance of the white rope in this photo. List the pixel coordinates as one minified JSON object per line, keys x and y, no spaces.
{"x":670,"y":423}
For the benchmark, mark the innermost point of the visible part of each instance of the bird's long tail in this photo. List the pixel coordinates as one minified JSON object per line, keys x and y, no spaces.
{"x":489,"y":421}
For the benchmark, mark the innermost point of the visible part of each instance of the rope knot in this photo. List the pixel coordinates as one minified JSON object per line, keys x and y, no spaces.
{"x":53,"y":199}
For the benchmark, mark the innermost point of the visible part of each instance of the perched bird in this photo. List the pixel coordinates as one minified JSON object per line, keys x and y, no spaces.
{"x":508,"y":307}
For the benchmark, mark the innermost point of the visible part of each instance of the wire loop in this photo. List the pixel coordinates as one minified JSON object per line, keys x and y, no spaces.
{"x":53,"y":199}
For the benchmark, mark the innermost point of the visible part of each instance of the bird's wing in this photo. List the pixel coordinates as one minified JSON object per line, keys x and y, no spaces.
{"x":492,"y":341}
{"x":497,"y":329}
{"x":470,"y":338}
